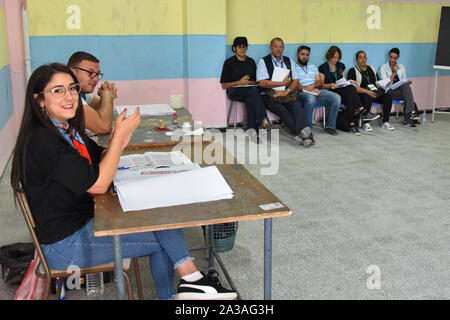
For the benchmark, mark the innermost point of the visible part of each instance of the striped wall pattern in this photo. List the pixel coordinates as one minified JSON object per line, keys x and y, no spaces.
{"x":153,"y":49}
{"x":6,"y":108}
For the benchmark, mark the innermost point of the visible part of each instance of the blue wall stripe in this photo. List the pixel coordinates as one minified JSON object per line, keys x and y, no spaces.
{"x":418,"y":58}
{"x":6,"y":107}
{"x":149,"y":57}
{"x":138,"y":57}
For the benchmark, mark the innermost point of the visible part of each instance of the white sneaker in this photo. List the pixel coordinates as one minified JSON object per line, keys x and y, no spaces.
{"x":388,"y":126}
{"x":367,"y":127}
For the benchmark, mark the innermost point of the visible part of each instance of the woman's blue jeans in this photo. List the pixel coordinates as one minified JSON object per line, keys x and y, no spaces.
{"x":167,"y":250}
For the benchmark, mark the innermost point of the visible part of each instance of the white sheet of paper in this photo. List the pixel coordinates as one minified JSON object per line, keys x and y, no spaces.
{"x":310,"y":92}
{"x":145,"y":192}
{"x":383,"y":83}
{"x":398,"y":84}
{"x":147,"y":109}
{"x":154,"y":159}
{"x":278,"y":75}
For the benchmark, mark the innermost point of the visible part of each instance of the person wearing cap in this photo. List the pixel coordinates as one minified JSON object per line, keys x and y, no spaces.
{"x":239,"y":79}
{"x":98,"y":110}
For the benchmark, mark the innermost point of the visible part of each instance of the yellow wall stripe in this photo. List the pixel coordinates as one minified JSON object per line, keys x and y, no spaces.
{"x":332,"y":21}
{"x":105,"y":17}
{"x":4,"y":55}
{"x":122,"y":17}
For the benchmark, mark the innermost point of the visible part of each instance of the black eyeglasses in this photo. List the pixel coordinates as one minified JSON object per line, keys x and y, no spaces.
{"x":92,"y":74}
{"x":60,"y":91}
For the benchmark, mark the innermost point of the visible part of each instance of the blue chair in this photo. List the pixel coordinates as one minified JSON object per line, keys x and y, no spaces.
{"x":397,"y":103}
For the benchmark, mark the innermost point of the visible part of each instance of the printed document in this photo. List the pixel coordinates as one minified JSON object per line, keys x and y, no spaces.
{"x":398,"y":84}
{"x":343,"y":83}
{"x":278,"y":75}
{"x":154,"y":159}
{"x":384,"y":83}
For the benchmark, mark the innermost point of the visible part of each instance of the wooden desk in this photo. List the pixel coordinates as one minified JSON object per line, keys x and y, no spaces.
{"x":146,"y":137}
{"x":249,"y":193}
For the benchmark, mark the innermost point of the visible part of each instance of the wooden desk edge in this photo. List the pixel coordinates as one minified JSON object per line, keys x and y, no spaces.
{"x":258,"y":216}
{"x":136,"y":146}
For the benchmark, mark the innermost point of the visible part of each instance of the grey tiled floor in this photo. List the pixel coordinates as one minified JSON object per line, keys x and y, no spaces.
{"x":379,"y":199}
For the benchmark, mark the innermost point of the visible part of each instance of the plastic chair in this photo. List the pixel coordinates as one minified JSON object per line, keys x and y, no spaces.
{"x":44,"y":270}
{"x":234,"y":105}
{"x":323,"y":114}
{"x":398,"y":104}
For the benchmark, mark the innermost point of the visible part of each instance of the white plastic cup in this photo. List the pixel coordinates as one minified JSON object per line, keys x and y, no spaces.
{"x":176,"y":101}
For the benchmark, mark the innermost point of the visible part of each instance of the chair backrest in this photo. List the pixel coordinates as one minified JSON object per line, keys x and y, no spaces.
{"x":23,"y":203}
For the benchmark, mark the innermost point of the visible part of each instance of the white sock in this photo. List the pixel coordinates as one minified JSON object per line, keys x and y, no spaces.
{"x":193,"y":277}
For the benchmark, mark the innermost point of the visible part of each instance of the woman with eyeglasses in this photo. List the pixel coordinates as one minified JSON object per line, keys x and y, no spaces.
{"x":59,"y":169}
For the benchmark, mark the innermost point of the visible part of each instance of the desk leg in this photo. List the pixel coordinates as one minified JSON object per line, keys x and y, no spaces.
{"x":268,"y":259}
{"x":211,"y":243}
{"x":118,"y":268}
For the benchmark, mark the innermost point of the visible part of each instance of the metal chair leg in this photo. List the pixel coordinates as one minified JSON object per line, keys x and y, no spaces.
{"x":138,"y":278}
{"x":128,"y":285}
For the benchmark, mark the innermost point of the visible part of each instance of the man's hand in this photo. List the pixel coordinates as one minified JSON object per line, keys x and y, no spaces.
{"x":316,"y":91}
{"x":107,"y":90}
{"x":286,"y":81}
{"x":244,"y":80}
{"x":281,"y":93}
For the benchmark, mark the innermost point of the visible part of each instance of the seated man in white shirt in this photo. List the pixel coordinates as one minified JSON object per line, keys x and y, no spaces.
{"x":396,"y":72}
{"x":98,"y":111}
{"x":290,"y":112}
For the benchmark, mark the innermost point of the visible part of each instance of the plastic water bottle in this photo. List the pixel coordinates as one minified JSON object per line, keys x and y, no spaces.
{"x":424,"y":117}
{"x":94,"y":284}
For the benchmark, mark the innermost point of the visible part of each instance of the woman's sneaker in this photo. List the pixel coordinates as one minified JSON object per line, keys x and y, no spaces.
{"x":355,"y":131}
{"x":207,"y":288}
{"x":388,"y":126}
{"x":370,"y":116}
{"x":409,"y":124}
{"x":367,"y":127}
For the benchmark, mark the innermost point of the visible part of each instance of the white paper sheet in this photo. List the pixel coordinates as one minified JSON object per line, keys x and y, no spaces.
{"x":147,"y":192}
{"x":147,"y":109}
{"x":383,"y":83}
{"x":310,"y":92}
{"x":343,"y":83}
{"x":397,"y":84}
{"x":154,"y":159}
{"x":278,"y":75}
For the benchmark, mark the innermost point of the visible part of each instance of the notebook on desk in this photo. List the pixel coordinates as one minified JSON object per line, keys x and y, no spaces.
{"x":163,"y":179}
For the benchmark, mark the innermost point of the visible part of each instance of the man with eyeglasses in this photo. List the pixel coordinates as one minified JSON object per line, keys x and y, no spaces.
{"x":98,"y":110}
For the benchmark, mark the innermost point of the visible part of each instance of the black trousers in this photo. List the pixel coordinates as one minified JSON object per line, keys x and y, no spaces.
{"x":256,"y":111}
{"x":352,"y":102}
{"x":384,"y":99}
{"x":291,"y":113}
